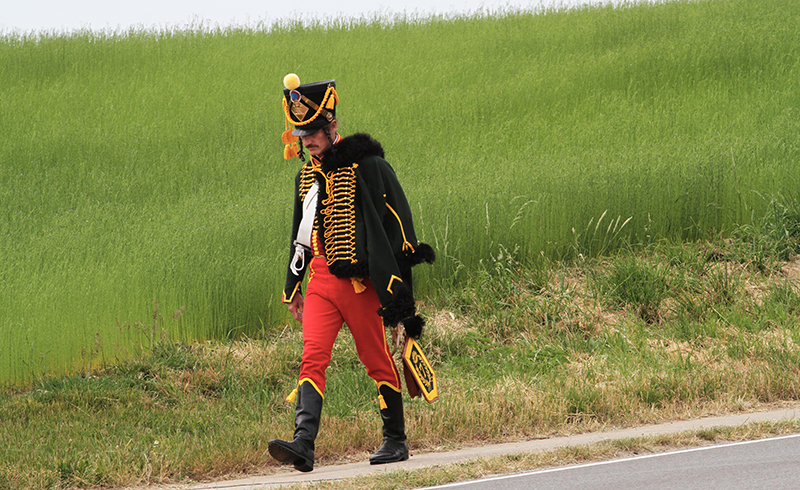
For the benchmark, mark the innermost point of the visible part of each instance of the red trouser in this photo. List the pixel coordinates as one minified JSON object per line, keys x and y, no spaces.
{"x":330,"y":302}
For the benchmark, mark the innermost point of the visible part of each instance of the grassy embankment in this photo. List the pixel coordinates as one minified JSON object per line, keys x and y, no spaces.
{"x":145,"y":168}
{"x":137,"y":170}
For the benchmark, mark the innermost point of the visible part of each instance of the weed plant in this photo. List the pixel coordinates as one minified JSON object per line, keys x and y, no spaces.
{"x":143,"y":167}
{"x":629,"y":281}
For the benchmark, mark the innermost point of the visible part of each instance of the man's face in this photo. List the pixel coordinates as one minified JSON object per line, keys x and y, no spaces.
{"x":318,"y":142}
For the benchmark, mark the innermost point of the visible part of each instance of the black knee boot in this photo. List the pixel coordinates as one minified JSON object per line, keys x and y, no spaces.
{"x":300,"y":452}
{"x":394,"y":447}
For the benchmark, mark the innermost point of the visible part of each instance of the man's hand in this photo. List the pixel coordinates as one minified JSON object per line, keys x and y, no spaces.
{"x":296,"y":307}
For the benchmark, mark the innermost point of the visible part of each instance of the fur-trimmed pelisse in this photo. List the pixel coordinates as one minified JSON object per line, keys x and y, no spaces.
{"x":401,"y":307}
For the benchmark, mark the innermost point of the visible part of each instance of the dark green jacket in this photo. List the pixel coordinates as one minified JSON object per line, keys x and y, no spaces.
{"x":366,"y":226}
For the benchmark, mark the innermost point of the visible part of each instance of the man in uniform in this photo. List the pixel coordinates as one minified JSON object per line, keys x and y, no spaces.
{"x":352,"y":228}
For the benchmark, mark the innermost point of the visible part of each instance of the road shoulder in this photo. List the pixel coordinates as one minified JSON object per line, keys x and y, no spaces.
{"x":344,"y":471}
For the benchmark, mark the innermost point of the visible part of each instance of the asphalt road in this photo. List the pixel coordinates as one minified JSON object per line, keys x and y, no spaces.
{"x":772,"y":464}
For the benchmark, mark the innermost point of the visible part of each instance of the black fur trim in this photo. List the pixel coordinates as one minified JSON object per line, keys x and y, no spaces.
{"x":413,"y":326}
{"x":422,"y":253}
{"x":402,"y":306}
{"x":344,"y":270}
{"x":349,"y":150}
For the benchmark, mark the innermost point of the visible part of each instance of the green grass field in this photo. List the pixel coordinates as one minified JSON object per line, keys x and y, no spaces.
{"x":143,"y":191}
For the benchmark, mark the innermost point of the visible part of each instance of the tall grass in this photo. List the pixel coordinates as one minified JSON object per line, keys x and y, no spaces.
{"x":142,"y":186}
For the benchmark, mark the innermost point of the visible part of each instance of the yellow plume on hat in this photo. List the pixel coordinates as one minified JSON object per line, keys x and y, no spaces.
{"x":291,"y":81}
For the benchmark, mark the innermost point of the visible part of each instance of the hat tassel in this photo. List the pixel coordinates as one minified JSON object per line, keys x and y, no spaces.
{"x":290,"y":151}
{"x":288,"y":138}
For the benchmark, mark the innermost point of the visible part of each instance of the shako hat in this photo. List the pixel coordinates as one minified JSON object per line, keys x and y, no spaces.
{"x":307,"y":108}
